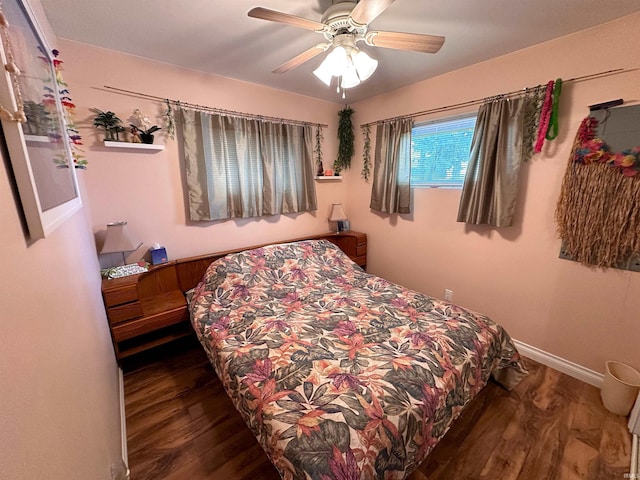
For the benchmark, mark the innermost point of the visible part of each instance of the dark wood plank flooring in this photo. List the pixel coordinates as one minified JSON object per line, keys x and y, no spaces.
{"x":181,"y":424}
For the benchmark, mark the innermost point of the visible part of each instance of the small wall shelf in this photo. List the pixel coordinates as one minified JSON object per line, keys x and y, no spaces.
{"x":133,"y":146}
{"x":37,"y":139}
{"x":328,"y":178}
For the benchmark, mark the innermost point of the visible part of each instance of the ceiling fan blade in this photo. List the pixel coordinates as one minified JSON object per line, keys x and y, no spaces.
{"x":274,"y":16}
{"x":367,"y":10}
{"x":416,"y":42}
{"x":303,"y":57}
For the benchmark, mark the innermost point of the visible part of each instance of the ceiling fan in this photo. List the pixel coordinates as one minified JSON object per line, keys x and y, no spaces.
{"x":343,"y":25}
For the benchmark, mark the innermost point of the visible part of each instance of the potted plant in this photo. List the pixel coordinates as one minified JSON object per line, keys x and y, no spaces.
{"x":38,"y":119}
{"x":146,"y":136}
{"x":111,"y":124}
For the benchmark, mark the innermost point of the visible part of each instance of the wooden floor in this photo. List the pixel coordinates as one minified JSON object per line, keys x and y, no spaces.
{"x":181,"y":425}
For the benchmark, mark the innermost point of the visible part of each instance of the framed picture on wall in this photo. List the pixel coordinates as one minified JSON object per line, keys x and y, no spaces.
{"x":39,"y":150}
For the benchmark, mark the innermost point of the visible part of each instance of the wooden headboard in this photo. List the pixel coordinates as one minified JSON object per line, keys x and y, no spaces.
{"x":191,"y":270}
{"x":150,"y":308}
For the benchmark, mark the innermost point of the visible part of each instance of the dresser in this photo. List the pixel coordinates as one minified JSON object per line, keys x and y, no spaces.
{"x":150,"y":309}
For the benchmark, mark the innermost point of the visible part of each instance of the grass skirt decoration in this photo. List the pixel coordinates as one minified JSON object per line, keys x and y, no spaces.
{"x":598,"y":213}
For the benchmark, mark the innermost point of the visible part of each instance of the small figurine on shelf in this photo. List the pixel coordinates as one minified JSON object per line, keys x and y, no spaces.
{"x":135,"y":134}
{"x":142,"y":123}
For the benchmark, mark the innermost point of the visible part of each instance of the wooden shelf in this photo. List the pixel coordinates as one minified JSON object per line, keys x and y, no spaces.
{"x":328,"y":179}
{"x":155,"y":339}
{"x":134,"y":146}
{"x":163,"y":302}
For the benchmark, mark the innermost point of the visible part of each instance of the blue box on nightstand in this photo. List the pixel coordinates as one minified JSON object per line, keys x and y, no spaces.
{"x":158,"y":255}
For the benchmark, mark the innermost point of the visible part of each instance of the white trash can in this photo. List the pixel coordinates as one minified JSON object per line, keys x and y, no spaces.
{"x":620,"y":387}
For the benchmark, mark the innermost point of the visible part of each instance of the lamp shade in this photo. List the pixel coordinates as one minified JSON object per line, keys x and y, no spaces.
{"x":323,"y":72}
{"x":365,"y":65}
{"x":119,"y":239}
{"x":349,"y":77}
{"x":337,"y":60}
{"x":337,"y":213}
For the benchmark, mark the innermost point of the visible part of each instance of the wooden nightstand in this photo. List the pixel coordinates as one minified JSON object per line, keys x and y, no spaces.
{"x":354,"y":244}
{"x":145,"y":310}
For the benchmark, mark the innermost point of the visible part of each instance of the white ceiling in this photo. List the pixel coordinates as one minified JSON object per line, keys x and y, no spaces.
{"x":217,"y":36}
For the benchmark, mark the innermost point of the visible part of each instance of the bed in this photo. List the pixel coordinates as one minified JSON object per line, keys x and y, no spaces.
{"x":341,"y":374}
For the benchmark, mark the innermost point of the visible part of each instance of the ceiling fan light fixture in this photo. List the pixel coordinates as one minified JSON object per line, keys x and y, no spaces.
{"x":343,"y":25}
{"x":347,"y":62}
{"x":324,"y":73}
{"x":350,"y":77}
{"x":364,"y":64}
{"x":337,"y":60}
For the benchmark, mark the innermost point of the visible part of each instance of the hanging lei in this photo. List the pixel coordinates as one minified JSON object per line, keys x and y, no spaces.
{"x":588,"y":149}
{"x":534,"y":99}
{"x":545,"y":116}
{"x":552,"y":131}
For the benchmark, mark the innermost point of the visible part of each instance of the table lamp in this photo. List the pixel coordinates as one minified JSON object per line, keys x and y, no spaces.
{"x":119,"y":240}
{"x":337,"y":215}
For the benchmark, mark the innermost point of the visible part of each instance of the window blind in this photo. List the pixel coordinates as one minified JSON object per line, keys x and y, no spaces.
{"x":440,"y":151}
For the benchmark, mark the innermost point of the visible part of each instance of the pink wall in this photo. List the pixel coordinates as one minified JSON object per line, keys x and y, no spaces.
{"x":513,"y":274}
{"x":146,"y":188}
{"x":59,"y":394}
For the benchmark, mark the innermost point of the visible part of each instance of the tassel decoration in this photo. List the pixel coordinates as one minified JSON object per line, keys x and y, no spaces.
{"x":6,"y":114}
{"x":12,"y":68}
{"x":19,"y":116}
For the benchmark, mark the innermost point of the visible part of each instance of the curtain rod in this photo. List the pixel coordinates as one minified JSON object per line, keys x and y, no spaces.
{"x":222,"y":111}
{"x":478,"y":101}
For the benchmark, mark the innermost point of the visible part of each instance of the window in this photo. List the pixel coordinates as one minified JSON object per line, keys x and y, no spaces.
{"x":440,"y":151}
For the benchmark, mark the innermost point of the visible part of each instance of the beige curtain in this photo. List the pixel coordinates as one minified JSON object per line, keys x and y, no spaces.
{"x":391,"y":189}
{"x":491,"y":182}
{"x":240,"y":168}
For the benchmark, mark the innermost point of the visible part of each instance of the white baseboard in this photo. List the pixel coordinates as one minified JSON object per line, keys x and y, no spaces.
{"x":635,"y":461}
{"x":123,"y":428}
{"x":565,"y":366}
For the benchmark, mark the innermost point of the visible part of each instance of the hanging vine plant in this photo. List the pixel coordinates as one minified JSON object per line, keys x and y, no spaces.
{"x":366,"y":153}
{"x":345,"y":140}
{"x":317,"y":151}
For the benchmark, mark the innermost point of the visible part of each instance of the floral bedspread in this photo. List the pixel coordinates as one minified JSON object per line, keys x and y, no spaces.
{"x":341,"y":374}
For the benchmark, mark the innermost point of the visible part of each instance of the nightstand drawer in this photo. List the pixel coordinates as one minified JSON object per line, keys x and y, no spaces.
{"x":144,"y":325}
{"x":361,"y":250}
{"x":124,"y":312}
{"x":118,"y":296}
